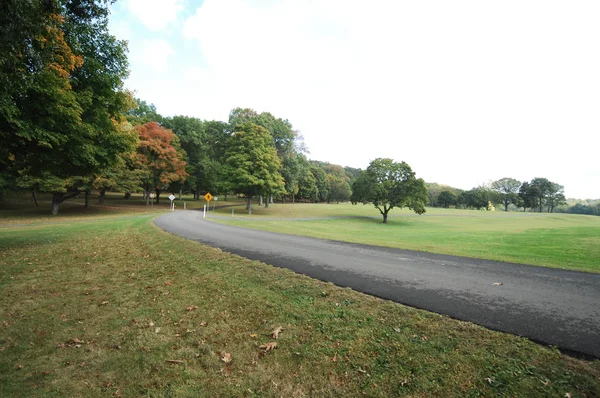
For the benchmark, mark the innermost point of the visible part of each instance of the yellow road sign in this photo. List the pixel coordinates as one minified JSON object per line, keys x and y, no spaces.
{"x":208,"y":197}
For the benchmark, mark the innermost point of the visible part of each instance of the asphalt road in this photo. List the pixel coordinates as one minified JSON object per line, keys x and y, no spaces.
{"x":551,"y":306}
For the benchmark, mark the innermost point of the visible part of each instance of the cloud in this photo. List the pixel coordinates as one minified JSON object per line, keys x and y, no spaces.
{"x":155,"y":14}
{"x":463,"y":91}
{"x":155,"y":54}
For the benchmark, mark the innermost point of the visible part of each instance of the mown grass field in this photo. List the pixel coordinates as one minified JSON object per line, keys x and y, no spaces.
{"x":553,"y":240}
{"x":111,"y":305}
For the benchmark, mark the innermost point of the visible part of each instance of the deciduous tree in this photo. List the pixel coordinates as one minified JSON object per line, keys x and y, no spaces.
{"x":507,"y":188}
{"x":252,"y":162}
{"x":388,"y":184}
{"x":159,"y":157}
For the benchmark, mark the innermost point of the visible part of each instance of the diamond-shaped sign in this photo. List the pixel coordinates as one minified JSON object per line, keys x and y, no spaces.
{"x":171,"y":196}
{"x":208,"y":197}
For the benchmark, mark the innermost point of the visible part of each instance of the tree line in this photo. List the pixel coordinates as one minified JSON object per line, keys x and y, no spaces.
{"x":69,"y":127}
{"x":539,"y":194}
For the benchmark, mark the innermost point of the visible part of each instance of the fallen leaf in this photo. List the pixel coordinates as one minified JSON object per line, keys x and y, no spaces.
{"x":226,"y":357}
{"x":253,"y":335}
{"x":168,"y":283}
{"x":156,"y":330}
{"x":104,"y":303}
{"x":489,"y":380}
{"x":424,"y":338}
{"x":269,"y":346}
{"x":202,"y":324}
{"x":568,"y":395}
{"x":191,"y":308}
{"x":151,"y":324}
{"x":77,"y":341}
{"x":497,"y":284}
{"x":176,"y":361}
{"x":276,"y":331}
{"x":19,"y":366}
{"x":334,"y":359}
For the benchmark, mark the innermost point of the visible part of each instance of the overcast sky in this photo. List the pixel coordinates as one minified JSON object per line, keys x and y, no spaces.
{"x":464,"y":91}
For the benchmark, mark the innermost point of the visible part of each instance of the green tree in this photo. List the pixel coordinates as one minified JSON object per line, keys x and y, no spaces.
{"x":508,"y":189}
{"x":60,"y":117}
{"x":307,"y":185}
{"x":252,"y":162}
{"x":388,"y":184}
{"x":321,"y":180}
{"x":528,"y":196}
{"x":446,"y":199}
{"x":555,"y":196}
{"x":141,"y":113}
{"x":339,"y":189}
{"x":541,"y":187}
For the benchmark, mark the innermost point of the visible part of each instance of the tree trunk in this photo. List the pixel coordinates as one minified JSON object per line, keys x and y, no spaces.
{"x":226,"y":195}
{"x":127,"y":195}
{"x":249,"y":204}
{"x":385,"y":214}
{"x":57,"y":199}
{"x":260,"y":200}
{"x":101,"y":196}
{"x":34,"y":198}
{"x":180,"y":193}
{"x":157,"y":196}
{"x":267,"y":203}
{"x":147,"y":195}
{"x":271,"y":199}
{"x":87,"y":199}
{"x":293,"y":198}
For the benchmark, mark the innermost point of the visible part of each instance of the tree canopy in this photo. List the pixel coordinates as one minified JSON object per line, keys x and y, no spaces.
{"x":388,"y":184}
{"x":252,"y":162}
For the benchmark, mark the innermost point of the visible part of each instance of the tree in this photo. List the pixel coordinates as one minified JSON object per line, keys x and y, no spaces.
{"x":388,"y":184}
{"x":252,"y":162}
{"x":63,"y":102}
{"x":159,"y":158}
{"x":555,"y":196}
{"x":339,"y":189}
{"x":507,"y":188}
{"x":446,"y":199}
{"x":541,"y":187}
{"x":141,"y":113}
{"x":307,"y":185}
{"x":321,"y":180}
{"x":528,"y":195}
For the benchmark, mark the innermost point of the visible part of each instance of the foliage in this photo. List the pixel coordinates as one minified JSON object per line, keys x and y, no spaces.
{"x":446,"y":199}
{"x":159,"y":158}
{"x":252,"y":162}
{"x":62,"y":104}
{"x":141,"y":113}
{"x":507,"y":188}
{"x":388,"y":184}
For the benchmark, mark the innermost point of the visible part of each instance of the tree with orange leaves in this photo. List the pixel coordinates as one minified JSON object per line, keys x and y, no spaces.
{"x":159,"y":157}
{"x":62,"y":100}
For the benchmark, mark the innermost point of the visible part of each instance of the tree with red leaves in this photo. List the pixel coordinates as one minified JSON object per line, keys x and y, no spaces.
{"x":160,"y":158}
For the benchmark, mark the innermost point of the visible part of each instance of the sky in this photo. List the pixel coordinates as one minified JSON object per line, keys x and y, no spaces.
{"x":466,"y":92}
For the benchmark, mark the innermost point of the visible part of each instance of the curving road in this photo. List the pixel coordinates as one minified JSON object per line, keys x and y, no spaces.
{"x":552,"y":306}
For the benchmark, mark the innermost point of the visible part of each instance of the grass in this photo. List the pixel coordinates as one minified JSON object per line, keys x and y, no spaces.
{"x":99,"y":306}
{"x":552,"y":240}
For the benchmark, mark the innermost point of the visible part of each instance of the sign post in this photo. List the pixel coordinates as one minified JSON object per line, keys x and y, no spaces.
{"x":208,"y":197}
{"x":172,"y":197}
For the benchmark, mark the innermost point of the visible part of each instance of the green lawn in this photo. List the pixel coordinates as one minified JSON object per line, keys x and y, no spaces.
{"x":552,"y":240}
{"x":115,"y":306}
